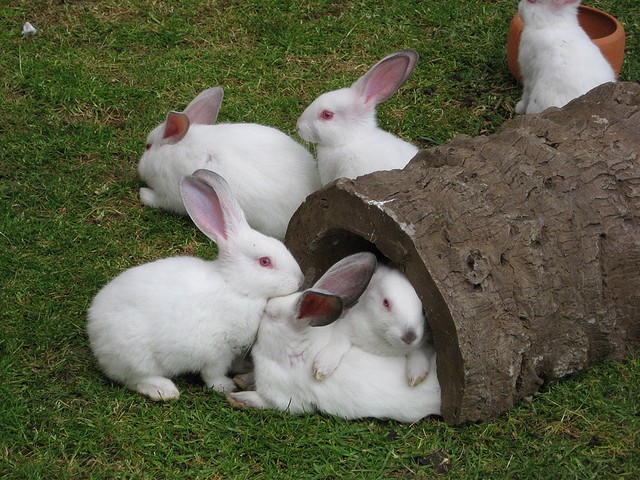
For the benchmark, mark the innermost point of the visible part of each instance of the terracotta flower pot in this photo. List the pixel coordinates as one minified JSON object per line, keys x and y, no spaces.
{"x":603,"y":29}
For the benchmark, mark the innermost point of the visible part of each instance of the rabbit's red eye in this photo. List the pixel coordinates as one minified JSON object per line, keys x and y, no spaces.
{"x":148,"y":146}
{"x":264,"y":262}
{"x":386,"y":304}
{"x":326,"y":114}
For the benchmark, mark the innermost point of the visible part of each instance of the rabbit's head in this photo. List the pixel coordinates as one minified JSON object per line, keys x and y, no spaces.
{"x":547,"y":12}
{"x":339,"y":288}
{"x":252,"y":263}
{"x":202,"y":110}
{"x":335,"y":117}
{"x":393,"y":310}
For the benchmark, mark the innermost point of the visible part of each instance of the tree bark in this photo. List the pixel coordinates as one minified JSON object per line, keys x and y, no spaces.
{"x":524,"y":246}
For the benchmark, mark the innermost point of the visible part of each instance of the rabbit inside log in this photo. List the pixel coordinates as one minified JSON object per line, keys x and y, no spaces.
{"x":388,"y":320}
{"x":295,"y":327}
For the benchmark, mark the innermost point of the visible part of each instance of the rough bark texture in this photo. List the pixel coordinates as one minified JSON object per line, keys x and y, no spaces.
{"x":524,"y":246}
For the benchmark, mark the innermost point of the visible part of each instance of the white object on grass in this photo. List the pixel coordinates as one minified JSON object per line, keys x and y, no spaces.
{"x":28,"y":29}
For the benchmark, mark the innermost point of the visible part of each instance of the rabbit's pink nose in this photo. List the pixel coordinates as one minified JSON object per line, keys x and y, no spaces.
{"x":409,"y":337}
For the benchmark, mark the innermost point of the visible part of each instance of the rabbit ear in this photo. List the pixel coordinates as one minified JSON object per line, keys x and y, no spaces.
{"x":211,"y":205}
{"x":349,"y":277}
{"x":386,"y":76}
{"x":224,"y":193}
{"x":175,"y":128}
{"x":319,"y":308}
{"x":203,"y":109}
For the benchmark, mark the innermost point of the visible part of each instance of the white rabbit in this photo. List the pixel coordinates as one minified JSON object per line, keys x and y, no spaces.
{"x":387,"y":320}
{"x":558,"y":60}
{"x":343,"y":123}
{"x":364,"y":385}
{"x":269,"y":173}
{"x":184,"y":314}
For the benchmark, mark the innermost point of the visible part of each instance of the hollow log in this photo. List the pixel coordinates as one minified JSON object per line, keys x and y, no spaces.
{"x":524,"y":246}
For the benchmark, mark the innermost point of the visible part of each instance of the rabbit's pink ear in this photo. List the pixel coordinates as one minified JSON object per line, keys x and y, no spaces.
{"x":211,"y":205}
{"x":349,"y":277}
{"x":203,"y":110}
{"x":175,"y":128}
{"x":232,"y":208}
{"x":319,"y":308}
{"x":386,"y":76}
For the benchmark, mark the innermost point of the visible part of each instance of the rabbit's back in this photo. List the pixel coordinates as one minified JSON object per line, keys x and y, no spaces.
{"x":558,"y":64}
{"x":364,"y":154}
{"x":269,"y":172}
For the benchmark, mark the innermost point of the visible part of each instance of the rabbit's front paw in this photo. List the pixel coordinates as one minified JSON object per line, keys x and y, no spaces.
{"x":245,"y":381}
{"x":244,"y":400}
{"x":148,"y":197}
{"x":324,"y":364}
{"x":418,"y":366}
{"x":219,"y":382}
{"x":223,"y":385}
{"x":158,"y":388}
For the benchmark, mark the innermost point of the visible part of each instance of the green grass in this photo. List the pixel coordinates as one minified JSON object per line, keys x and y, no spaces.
{"x":77,"y":102}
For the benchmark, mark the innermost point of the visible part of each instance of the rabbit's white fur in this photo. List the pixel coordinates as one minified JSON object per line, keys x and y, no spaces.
{"x":269,"y":173}
{"x":184,"y":314}
{"x":388,"y":320}
{"x":363,"y":385}
{"x":557,"y":59}
{"x":344,"y":126}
